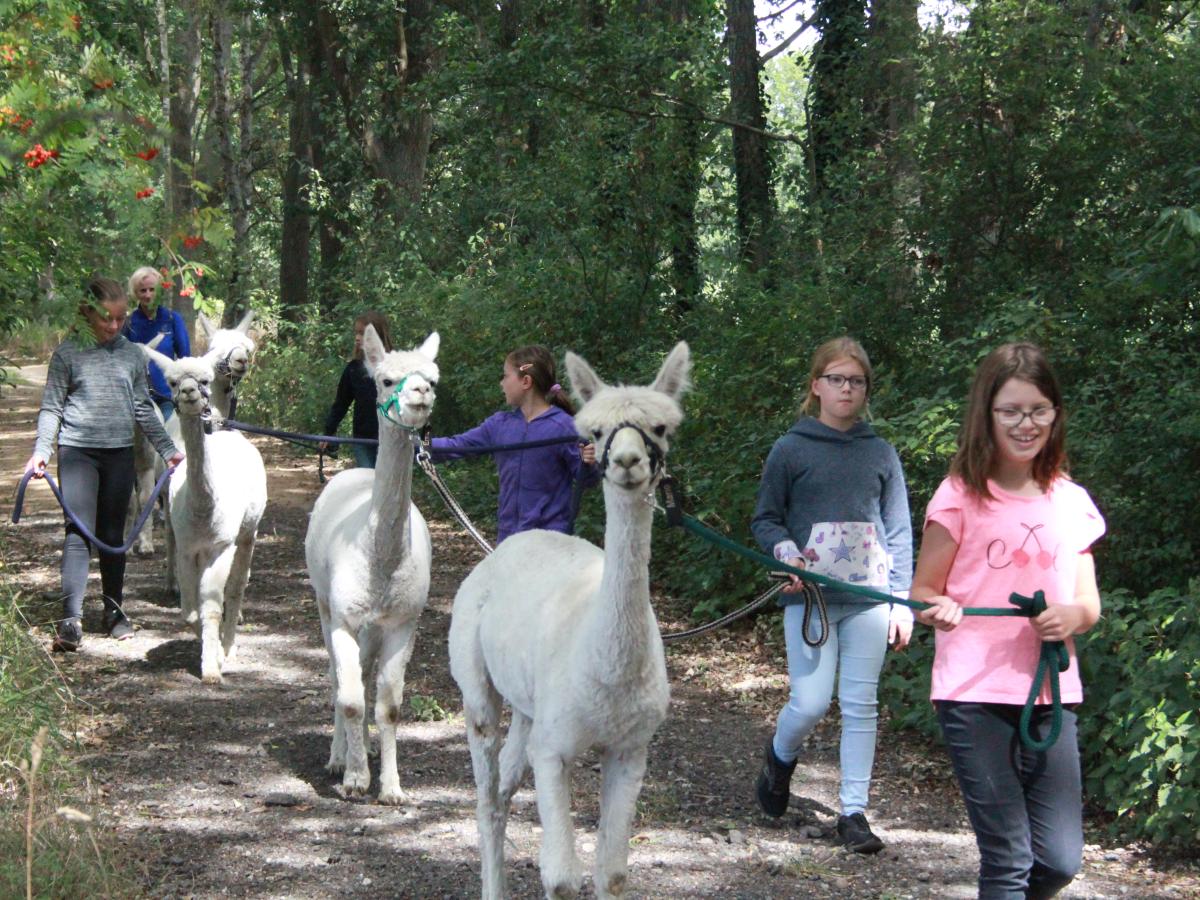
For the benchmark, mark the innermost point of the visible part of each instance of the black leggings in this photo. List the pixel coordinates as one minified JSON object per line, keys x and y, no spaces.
{"x":96,"y":484}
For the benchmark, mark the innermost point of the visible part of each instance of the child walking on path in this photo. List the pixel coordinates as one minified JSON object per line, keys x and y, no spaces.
{"x":536,"y":483}
{"x":1007,"y":519}
{"x":357,"y":388}
{"x":833,"y":500}
{"x":149,"y":320}
{"x":95,"y":390}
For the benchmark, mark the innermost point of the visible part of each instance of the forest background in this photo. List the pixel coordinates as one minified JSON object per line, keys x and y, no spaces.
{"x":610,"y":177}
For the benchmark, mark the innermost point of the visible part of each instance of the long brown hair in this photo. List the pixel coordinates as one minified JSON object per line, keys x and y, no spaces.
{"x":973,"y":462}
{"x":377,"y":321}
{"x":538,"y":363}
{"x":828,"y":353}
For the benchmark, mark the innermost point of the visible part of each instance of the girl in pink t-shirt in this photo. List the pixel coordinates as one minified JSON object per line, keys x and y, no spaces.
{"x":1007,"y":520}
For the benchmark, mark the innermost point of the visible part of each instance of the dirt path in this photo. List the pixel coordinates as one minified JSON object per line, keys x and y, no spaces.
{"x":221,"y":791}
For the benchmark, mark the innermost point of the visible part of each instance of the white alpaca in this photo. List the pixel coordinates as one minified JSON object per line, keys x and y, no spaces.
{"x":217,"y":497}
{"x":230,"y":350}
{"x":564,"y":632}
{"x":368,"y":552}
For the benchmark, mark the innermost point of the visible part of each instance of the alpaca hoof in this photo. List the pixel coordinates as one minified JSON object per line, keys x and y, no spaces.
{"x":616,"y":886}
{"x":563,"y":892}
{"x":335,"y":766}
{"x":391,"y":796}
{"x":211,"y":677}
{"x":354,"y":785}
{"x":229,"y":652}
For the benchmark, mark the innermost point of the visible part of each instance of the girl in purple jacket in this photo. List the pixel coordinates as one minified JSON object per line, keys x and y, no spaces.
{"x":536,"y":483}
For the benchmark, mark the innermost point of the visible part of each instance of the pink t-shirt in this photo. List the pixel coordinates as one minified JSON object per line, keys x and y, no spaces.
{"x":1010,"y":544}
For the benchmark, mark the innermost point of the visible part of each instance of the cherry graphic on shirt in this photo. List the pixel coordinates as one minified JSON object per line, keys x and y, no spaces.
{"x":1020,"y":557}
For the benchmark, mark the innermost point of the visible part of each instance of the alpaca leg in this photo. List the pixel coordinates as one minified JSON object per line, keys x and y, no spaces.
{"x":389,"y":695}
{"x":187,"y":602}
{"x":352,"y":706}
{"x":622,"y":782}
{"x":212,"y":603}
{"x":561,"y":872}
{"x":514,"y":758}
{"x":235,"y":591}
{"x":337,"y":749}
{"x":491,"y":815}
{"x":144,"y":543}
{"x":370,"y":641}
{"x":186,"y":568}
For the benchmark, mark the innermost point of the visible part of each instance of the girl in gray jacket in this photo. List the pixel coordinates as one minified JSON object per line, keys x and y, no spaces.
{"x":833,"y":500}
{"x":95,"y":390}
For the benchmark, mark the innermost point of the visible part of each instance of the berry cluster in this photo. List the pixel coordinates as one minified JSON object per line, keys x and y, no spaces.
{"x":144,"y":193}
{"x":148,"y":154}
{"x":9,"y":116}
{"x":103,"y":84}
{"x":39,"y":156}
{"x":187,"y":291}
{"x":192,"y":241}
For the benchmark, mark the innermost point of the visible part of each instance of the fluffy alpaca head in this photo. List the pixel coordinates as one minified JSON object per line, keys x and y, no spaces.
{"x":190,"y":380}
{"x":229,"y":348}
{"x":608,"y":411}
{"x":409,"y":376}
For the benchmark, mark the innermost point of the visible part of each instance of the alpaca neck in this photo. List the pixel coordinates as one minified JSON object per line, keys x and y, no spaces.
{"x":199,"y":466}
{"x":222,"y":393}
{"x":620,"y":613}
{"x":391,"y":496}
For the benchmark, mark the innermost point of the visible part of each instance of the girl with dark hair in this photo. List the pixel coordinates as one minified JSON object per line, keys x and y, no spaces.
{"x":1009,"y":520}
{"x":357,"y":388}
{"x":95,"y":391}
{"x":536,"y":483}
{"x":833,"y":500}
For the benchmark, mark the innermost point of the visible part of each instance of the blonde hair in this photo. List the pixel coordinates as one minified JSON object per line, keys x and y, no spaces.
{"x":828,"y":353}
{"x":139,"y":275}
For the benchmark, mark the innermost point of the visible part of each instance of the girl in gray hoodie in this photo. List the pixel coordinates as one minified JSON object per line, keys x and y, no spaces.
{"x":833,"y":500}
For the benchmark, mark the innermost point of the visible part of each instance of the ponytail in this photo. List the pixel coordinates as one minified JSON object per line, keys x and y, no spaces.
{"x":538,"y":363}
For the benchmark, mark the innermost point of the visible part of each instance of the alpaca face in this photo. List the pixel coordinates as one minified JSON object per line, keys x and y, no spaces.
{"x":631,"y":425}
{"x":408,"y":376}
{"x":229,"y":348}
{"x":190,"y":380}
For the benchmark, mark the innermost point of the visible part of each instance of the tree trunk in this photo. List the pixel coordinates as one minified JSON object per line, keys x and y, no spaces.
{"x":836,"y":97}
{"x":296,"y":227}
{"x":185,"y":90}
{"x":751,"y":159}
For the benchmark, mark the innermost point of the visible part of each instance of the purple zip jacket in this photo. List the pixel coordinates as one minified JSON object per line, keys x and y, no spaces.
{"x":535,"y":484}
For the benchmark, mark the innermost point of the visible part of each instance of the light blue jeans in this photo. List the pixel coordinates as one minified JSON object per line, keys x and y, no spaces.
{"x":855,"y":650}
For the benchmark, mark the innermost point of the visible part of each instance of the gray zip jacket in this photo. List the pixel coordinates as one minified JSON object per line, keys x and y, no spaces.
{"x":94,"y":394}
{"x":838,"y":500}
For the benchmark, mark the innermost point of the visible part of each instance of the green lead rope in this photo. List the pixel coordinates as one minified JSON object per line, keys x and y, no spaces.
{"x":1054,"y":658}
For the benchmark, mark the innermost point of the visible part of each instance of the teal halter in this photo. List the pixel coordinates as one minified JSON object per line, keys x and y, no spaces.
{"x":393,"y":402}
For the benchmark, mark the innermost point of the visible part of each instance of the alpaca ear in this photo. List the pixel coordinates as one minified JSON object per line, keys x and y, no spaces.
{"x":372,"y":348}
{"x":584,"y":381}
{"x":431,"y":345}
{"x":161,"y":360}
{"x":244,"y":325}
{"x":674,"y":376}
{"x":158,"y":339}
{"x":205,"y":326}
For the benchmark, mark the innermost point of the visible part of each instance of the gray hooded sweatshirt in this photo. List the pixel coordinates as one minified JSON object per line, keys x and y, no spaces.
{"x":837,"y":499}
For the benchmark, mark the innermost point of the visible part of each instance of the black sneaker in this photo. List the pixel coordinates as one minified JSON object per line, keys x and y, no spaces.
{"x":69,"y":636}
{"x":855,"y":834}
{"x":117,"y":625}
{"x":774,"y":782}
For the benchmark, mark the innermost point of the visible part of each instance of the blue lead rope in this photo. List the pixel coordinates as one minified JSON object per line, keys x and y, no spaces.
{"x":86,"y":532}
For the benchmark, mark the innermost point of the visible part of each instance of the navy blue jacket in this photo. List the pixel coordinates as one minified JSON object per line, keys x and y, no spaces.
{"x":141,"y":329}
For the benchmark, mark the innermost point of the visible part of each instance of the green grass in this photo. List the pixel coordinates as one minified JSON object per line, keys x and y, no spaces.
{"x":49,"y":846}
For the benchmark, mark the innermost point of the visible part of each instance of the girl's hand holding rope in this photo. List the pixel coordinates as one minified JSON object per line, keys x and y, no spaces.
{"x":943,"y":613}
{"x":797,"y":585}
{"x":37,"y":465}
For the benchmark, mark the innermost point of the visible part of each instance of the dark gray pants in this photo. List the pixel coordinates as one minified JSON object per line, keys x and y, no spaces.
{"x":96,"y":484}
{"x":1026,"y":806}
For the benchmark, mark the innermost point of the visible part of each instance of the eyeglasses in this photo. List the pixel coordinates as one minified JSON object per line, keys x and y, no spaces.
{"x":1011,"y":417}
{"x":836,"y":380}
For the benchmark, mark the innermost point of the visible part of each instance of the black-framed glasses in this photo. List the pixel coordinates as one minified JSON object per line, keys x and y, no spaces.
{"x":837,"y":380}
{"x":1011,"y":417}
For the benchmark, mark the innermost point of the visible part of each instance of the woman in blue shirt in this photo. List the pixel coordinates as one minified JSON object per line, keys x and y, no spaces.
{"x":149,"y":320}
{"x":535,"y":484}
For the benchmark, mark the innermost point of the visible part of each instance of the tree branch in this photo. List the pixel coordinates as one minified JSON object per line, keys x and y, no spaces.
{"x":787,"y":42}
{"x":778,"y":13}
